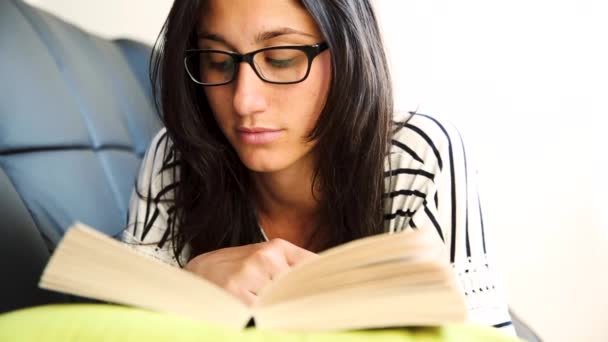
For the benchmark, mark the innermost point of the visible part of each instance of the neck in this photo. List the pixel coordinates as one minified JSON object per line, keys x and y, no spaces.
{"x":286,"y":206}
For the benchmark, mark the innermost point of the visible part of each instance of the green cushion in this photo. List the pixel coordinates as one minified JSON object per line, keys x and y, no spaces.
{"x":98,"y":322}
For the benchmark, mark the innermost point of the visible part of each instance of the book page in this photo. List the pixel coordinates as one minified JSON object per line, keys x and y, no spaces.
{"x":366,"y":308}
{"x":368,"y":258}
{"x":399,"y":279}
{"x":90,"y":264}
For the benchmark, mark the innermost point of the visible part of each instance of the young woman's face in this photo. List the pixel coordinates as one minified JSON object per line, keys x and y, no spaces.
{"x":284,"y":114}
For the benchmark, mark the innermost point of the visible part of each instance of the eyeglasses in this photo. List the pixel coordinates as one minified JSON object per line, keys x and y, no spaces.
{"x":278,"y":65}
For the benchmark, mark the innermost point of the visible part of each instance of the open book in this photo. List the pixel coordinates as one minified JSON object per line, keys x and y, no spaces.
{"x":387,"y":280}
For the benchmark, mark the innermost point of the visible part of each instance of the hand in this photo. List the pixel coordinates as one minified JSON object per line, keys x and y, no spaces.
{"x":245,"y":270}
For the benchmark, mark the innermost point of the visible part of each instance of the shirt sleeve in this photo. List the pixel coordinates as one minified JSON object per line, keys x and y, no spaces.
{"x":431,"y":185}
{"x":150,"y":207}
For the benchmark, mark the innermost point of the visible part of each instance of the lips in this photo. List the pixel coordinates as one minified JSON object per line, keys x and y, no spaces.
{"x":258,"y":135}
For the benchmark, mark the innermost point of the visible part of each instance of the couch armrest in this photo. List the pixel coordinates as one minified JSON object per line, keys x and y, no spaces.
{"x":24,"y":253}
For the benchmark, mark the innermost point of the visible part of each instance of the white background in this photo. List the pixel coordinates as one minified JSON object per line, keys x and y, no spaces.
{"x":526,"y":81}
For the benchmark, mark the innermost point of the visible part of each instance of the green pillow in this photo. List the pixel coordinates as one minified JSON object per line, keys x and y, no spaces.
{"x":100,"y":322}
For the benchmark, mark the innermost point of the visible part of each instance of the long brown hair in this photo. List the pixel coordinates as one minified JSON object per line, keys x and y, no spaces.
{"x":213,"y":206}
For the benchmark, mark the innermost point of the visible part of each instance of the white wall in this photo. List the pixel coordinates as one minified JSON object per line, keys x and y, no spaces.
{"x":138,"y":19}
{"x":527,"y":83}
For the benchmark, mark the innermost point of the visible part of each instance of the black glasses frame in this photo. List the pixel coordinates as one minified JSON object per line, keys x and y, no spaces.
{"x":311,"y":52}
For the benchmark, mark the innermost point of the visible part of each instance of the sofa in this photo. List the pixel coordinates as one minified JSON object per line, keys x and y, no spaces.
{"x":76,"y":116}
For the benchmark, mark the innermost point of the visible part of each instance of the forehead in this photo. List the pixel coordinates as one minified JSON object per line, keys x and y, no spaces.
{"x":244,"y":19}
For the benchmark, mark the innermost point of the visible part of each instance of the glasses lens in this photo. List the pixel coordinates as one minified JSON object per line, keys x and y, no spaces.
{"x":282,"y":65}
{"x":210,"y":67}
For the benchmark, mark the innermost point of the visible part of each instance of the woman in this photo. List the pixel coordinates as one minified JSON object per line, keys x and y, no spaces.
{"x":281,"y":142}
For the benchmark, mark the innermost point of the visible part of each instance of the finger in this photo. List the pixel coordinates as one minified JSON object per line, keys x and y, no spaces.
{"x":294,"y":255}
{"x":245,"y":296}
{"x":233,"y":253}
{"x":245,"y":287}
{"x":253,"y":277}
{"x":272,"y":261}
{"x":249,"y":298}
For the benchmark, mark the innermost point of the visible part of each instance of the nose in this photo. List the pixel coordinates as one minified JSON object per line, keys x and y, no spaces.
{"x":249,"y":97}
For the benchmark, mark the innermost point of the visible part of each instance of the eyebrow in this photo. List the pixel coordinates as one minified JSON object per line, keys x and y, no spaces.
{"x":260,"y":37}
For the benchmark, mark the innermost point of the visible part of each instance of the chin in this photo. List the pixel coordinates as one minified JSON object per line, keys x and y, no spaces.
{"x":262,"y":167}
{"x":263,"y":164}
{"x":272,"y":160}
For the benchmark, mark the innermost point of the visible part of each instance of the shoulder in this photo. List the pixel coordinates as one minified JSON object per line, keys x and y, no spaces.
{"x":160,"y":151}
{"x":425,"y":139}
{"x":158,"y":166}
{"x":159,"y":146}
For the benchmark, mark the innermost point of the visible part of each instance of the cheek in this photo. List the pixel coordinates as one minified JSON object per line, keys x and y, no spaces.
{"x":324,"y":75}
{"x":319,"y":83}
{"x":219,"y":101}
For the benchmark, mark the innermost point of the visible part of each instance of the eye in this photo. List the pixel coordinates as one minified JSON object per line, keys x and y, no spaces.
{"x":220,"y":66}
{"x":280,"y":63}
{"x":216,"y":62}
{"x":282,"y":58}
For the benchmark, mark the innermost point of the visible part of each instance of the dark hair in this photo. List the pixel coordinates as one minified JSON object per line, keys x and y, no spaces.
{"x":213,"y":206}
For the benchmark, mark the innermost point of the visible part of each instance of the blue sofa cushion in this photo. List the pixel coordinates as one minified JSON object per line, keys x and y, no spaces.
{"x":75,"y":120}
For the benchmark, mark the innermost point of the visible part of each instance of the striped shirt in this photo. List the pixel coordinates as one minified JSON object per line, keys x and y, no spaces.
{"x":429,"y":184}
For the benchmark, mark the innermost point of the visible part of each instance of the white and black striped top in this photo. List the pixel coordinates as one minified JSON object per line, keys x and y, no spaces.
{"x":430,"y":184}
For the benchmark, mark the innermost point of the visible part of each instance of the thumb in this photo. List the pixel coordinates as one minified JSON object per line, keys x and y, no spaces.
{"x":295,"y":255}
